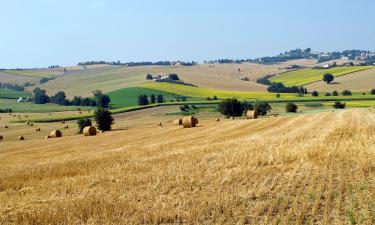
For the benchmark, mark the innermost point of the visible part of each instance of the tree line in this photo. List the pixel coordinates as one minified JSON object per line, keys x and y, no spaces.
{"x":145,"y":100}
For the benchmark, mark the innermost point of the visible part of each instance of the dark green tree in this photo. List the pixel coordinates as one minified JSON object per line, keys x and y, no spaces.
{"x":59,"y":98}
{"x":328,"y":78}
{"x":40,"y":96}
{"x":101,"y":99}
{"x":291,"y":107}
{"x":160,"y":98}
{"x":103,"y":118}
{"x":315,"y":93}
{"x":335,"y":93}
{"x":231,"y":107}
{"x":153,"y":99}
{"x":262,"y":108}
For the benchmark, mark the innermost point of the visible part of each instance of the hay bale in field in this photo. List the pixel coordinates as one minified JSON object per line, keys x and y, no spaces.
{"x":89,"y":131}
{"x":66,"y":127}
{"x":56,"y":134}
{"x":21,"y":138}
{"x":1,"y":137}
{"x":6,"y":127}
{"x":218,"y":120}
{"x":189,"y":122}
{"x":251,"y":114}
{"x":47,"y":137}
{"x":178,"y":122}
{"x":37,"y":129}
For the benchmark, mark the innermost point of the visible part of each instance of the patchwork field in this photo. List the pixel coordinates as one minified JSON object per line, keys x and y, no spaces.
{"x":306,"y":76}
{"x":228,"y":172}
{"x":362,"y":81}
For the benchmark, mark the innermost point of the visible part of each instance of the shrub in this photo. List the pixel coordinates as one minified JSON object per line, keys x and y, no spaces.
{"x":346,"y":93}
{"x":103,"y":118}
{"x":231,"y":107}
{"x":328,"y":78}
{"x":339,"y":105}
{"x":278,"y":95}
{"x":149,"y":77}
{"x":335,"y":93}
{"x":291,"y":107}
{"x":327,"y":94}
{"x":315,"y":93}
{"x":184,"y":108}
{"x":373,"y":91}
{"x":262,"y":108}
{"x":82,"y":123}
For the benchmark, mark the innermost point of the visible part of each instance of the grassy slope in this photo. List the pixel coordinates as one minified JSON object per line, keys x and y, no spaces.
{"x":129,"y":96}
{"x":36,"y":72}
{"x":12,"y":94}
{"x":306,"y":76}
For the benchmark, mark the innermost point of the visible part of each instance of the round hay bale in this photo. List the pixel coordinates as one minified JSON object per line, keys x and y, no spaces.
{"x":1,"y":137}
{"x":89,"y":131}
{"x":178,"y":122}
{"x":47,"y":137}
{"x":189,"y":122}
{"x":66,"y":127}
{"x":6,"y":127}
{"x":196,"y":120}
{"x":251,"y":114}
{"x":56,"y":134}
{"x":218,"y":120}
{"x":21,"y":138}
{"x":37,"y":129}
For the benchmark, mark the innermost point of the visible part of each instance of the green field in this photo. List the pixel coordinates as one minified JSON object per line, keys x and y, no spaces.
{"x":35,"y":72}
{"x":36,"y":108}
{"x":129,"y":96}
{"x":12,"y":94}
{"x":307,"y":76}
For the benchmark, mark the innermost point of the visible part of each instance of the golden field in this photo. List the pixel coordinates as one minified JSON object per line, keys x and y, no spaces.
{"x":303,"y":169}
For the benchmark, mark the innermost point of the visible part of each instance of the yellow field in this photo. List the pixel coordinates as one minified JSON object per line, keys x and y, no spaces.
{"x":205,"y":92}
{"x":306,"y":169}
{"x":307,"y":76}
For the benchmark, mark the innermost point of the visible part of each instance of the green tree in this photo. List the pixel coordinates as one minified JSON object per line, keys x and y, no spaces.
{"x":103,"y":118}
{"x":315,"y":93}
{"x":160,"y":98}
{"x":59,"y":98}
{"x":346,"y":93}
{"x":373,"y":91}
{"x":339,"y":105}
{"x":335,"y":93}
{"x":291,"y":107}
{"x":328,"y":78}
{"x":40,"y":96}
{"x":231,"y":107}
{"x":153,"y":99}
{"x":262,"y":108}
{"x":101,"y":99}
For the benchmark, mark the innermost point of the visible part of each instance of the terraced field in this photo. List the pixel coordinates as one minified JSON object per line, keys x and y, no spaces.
{"x":306,"y":169}
{"x":306,"y":76}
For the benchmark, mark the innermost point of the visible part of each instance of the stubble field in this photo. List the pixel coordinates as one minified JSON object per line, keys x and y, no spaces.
{"x":305,"y":169}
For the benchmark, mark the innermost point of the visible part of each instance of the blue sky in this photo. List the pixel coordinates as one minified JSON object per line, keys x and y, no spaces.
{"x":39,"y":33}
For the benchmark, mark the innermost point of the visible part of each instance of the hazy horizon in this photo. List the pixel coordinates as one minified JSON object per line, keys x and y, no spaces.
{"x":50,"y":32}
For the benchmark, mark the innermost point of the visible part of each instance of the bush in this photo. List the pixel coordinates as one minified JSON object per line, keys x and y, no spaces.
{"x":149,"y":77}
{"x":231,"y":107}
{"x":104,"y":119}
{"x":339,"y":105}
{"x":373,"y":91}
{"x":346,"y":93}
{"x":327,"y":94}
{"x":262,"y":108}
{"x":278,"y":95}
{"x":184,"y":108}
{"x":315,"y":93}
{"x":335,"y":93}
{"x":82,"y":123}
{"x":291,"y":107}
{"x":328,"y":78}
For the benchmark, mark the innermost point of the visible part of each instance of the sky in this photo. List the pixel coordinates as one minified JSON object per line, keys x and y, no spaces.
{"x":39,"y":33}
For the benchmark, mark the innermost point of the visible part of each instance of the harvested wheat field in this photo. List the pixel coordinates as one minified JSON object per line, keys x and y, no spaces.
{"x":305,"y":169}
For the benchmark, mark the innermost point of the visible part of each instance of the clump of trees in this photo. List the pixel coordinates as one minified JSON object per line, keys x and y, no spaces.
{"x":280,"y":88}
{"x":100,"y":99}
{"x":339,"y":105}
{"x":328,"y":78}
{"x":291,"y":107}
{"x":145,"y":100}
{"x":335,"y":93}
{"x":234,"y":108}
